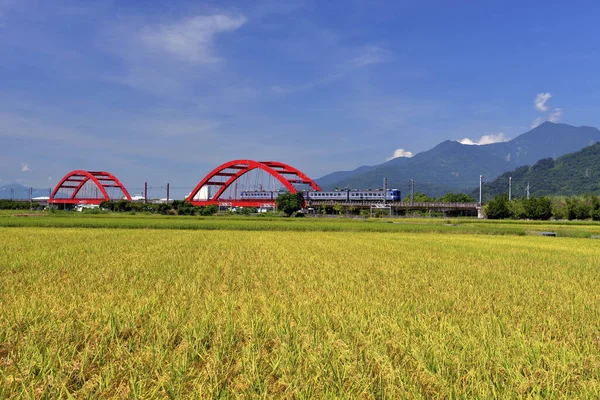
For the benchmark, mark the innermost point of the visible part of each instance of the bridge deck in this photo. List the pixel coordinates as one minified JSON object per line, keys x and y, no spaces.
{"x":399,"y":205}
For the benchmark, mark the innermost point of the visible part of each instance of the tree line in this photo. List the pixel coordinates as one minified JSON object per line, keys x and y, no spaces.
{"x":16,"y":205}
{"x":177,"y":207}
{"x":544,"y":208}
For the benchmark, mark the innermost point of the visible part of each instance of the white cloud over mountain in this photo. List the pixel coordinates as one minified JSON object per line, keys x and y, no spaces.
{"x":540,"y":104}
{"x":400,"y":153}
{"x":486,"y":139}
{"x":556,"y":115}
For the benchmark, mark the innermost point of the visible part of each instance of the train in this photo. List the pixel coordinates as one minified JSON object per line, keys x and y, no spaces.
{"x":337,"y":195}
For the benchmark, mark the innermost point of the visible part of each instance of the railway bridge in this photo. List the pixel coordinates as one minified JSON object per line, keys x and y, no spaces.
{"x":225,"y":186}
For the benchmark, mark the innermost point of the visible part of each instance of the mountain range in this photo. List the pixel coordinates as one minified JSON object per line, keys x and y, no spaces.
{"x":572,"y":174}
{"x":454,"y":167}
{"x":20,"y":192}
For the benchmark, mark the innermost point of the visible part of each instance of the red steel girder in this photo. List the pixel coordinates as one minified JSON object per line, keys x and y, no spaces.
{"x":274,"y":168}
{"x":101,"y":179}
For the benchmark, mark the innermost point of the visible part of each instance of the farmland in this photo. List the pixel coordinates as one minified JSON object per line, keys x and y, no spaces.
{"x":583,"y":229}
{"x":156,"y":307}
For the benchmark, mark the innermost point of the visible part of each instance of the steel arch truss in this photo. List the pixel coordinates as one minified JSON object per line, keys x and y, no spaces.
{"x":74,"y":181}
{"x":287,"y":175}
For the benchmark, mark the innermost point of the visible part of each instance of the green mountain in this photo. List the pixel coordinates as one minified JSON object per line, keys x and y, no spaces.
{"x":452,"y":166}
{"x":572,"y":174}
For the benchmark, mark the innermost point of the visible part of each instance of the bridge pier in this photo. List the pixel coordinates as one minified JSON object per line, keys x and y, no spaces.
{"x":480,"y":213}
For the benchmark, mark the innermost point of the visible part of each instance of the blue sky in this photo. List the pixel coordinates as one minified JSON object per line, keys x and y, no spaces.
{"x":164,"y":91}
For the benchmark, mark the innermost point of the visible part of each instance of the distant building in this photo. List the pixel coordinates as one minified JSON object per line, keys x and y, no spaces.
{"x":203,"y":194}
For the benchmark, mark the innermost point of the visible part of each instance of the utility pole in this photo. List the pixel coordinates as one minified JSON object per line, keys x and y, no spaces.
{"x":527,"y":190}
{"x":480,"y":188}
{"x":509,"y":188}
{"x":168,"y":187}
{"x":412,"y":191}
{"x":30,"y":197}
{"x":384,"y":189}
{"x":12,"y":193}
{"x":145,"y":192}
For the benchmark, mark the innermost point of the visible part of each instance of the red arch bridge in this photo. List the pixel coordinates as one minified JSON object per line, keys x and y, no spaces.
{"x":88,"y":187}
{"x":229,"y":185}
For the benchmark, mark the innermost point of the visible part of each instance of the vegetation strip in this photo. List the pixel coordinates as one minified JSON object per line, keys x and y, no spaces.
{"x":248,"y":223}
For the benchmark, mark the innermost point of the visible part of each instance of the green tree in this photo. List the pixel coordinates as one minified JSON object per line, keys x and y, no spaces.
{"x":497,"y":208}
{"x":595,"y":209}
{"x":577,"y":208}
{"x":186,"y":208}
{"x":457,"y":198}
{"x":516,"y":208}
{"x":123,"y":205}
{"x":422,"y":198}
{"x":544,"y":208}
{"x":559,"y":207}
{"x":163,"y":208}
{"x":107,"y":205}
{"x":323,"y":208}
{"x":289,"y":203}
{"x":211,"y":209}
{"x":337,"y":207}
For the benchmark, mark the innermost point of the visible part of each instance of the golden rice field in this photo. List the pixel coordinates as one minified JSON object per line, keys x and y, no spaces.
{"x":146,"y":313}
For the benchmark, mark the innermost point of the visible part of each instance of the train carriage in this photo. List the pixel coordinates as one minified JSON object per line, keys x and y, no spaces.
{"x":337,"y":195}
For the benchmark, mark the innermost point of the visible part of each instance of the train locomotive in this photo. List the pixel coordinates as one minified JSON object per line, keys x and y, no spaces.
{"x":337,"y":195}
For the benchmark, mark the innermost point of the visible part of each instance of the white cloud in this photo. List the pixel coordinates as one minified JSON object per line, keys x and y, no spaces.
{"x":486,"y":139}
{"x":540,"y":105}
{"x":540,"y":101}
{"x":556,"y":115}
{"x":370,"y":55}
{"x":192,"y":39}
{"x":536,"y":122}
{"x":279,"y":90}
{"x":400,"y":153}
{"x":24,"y":167}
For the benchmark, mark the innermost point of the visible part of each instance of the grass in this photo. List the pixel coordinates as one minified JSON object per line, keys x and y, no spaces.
{"x":147,"y":313}
{"x":584,"y":229}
